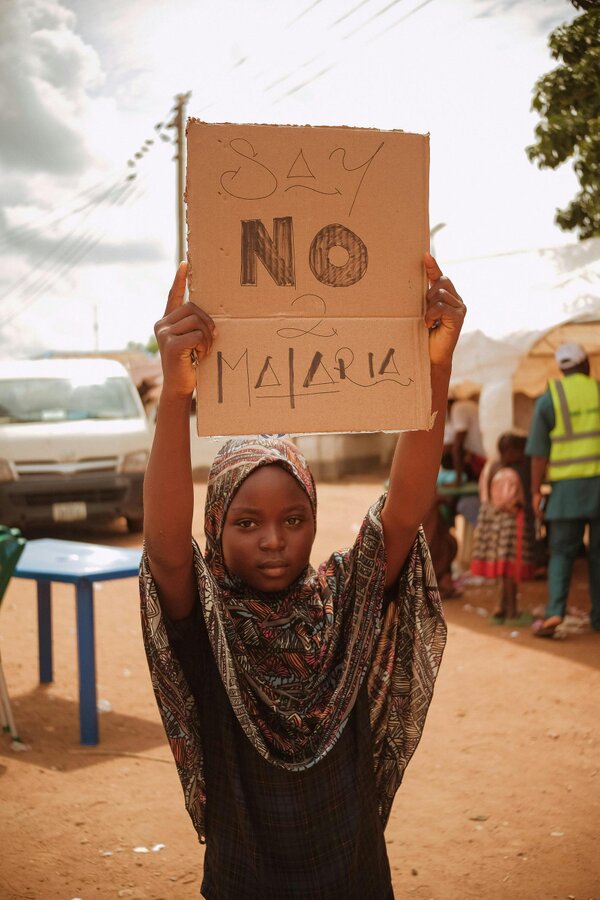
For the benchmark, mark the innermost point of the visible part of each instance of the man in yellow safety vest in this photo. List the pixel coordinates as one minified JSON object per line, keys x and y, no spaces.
{"x":564,"y":446}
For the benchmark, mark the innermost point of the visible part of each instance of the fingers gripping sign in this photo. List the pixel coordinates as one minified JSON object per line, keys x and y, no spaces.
{"x":185,"y":334}
{"x":177,"y":292}
{"x":444,"y":315}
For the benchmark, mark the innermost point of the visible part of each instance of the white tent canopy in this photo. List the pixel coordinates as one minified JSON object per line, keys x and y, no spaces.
{"x":538,"y":365}
{"x":558,"y":295}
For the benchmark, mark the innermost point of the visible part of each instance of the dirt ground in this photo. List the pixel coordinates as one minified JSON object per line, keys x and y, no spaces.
{"x":502,"y":798}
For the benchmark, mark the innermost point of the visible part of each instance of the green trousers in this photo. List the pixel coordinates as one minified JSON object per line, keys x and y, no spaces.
{"x":565,"y":539}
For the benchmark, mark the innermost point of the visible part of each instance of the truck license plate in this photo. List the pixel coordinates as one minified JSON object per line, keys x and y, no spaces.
{"x":69,"y":512}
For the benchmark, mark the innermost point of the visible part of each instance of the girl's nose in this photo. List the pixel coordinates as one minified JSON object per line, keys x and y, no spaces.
{"x":272,"y":538}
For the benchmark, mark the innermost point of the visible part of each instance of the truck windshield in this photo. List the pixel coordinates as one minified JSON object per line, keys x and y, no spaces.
{"x":65,"y":400}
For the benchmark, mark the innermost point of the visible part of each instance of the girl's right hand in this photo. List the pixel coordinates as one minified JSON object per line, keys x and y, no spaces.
{"x":184,"y":330}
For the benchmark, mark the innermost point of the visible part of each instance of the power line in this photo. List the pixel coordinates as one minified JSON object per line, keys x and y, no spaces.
{"x":13,"y":235}
{"x":108,"y":193}
{"x":96,"y":193}
{"x":304,"y":12}
{"x":298,"y":87}
{"x":84,"y":244}
{"x":68,"y":251}
{"x":376,"y":15}
{"x":70,"y":256}
{"x":303,"y":84}
{"x":62,"y":261}
{"x":285,"y":77}
{"x":399,"y":21}
{"x":349,"y":13}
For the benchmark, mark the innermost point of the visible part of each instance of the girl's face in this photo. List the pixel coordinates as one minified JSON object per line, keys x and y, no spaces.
{"x":269,"y":530}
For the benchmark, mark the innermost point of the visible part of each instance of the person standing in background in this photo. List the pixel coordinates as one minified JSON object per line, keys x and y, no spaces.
{"x":503,"y":544}
{"x":467,"y":445}
{"x":564,"y":446}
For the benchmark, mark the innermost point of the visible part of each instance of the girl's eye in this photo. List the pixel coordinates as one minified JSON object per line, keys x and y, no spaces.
{"x":294,"y":520}
{"x":245,"y":523}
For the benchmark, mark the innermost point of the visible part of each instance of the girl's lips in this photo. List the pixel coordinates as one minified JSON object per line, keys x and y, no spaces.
{"x":273,"y":568}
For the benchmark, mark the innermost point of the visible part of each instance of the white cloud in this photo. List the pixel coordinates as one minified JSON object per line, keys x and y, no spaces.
{"x":46,"y":71}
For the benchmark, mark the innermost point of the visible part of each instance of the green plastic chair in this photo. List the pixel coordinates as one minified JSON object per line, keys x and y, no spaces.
{"x":12,"y":544}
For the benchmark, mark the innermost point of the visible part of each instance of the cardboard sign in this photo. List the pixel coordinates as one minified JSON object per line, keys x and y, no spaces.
{"x":306,"y":246}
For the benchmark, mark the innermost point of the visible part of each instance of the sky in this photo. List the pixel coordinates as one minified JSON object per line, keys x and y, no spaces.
{"x":87,"y":252}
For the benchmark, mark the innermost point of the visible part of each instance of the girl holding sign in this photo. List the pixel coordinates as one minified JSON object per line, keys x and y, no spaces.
{"x":292,"y":699}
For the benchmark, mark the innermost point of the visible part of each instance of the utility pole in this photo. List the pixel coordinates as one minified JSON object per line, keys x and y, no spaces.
{"x":178,"y":123}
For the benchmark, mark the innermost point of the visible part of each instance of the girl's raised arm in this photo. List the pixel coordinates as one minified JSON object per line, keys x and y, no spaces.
{"x":168,"y":487}
{"x":417,"y":456}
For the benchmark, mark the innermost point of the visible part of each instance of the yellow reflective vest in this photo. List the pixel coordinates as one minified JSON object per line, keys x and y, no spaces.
{"x":575,"y":448}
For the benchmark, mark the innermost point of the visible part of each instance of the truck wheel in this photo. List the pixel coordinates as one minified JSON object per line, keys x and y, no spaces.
{"x":135,"y":526}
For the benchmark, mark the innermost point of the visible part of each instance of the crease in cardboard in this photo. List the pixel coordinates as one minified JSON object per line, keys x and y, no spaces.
{"x":226,"y":317}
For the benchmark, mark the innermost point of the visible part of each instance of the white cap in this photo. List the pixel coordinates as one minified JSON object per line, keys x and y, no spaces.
{"x":570,"y":354}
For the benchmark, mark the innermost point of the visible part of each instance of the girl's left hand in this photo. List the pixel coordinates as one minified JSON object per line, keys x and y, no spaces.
{"x":444,"y":316}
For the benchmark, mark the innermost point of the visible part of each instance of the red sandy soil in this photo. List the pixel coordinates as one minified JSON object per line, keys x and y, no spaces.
{"x":502,"y":798}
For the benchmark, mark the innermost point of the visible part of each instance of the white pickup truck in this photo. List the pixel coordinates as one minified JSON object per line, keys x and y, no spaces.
{"x":74,"y":442}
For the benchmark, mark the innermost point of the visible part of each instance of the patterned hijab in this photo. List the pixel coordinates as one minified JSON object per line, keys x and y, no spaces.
{"x":293,"y":662}
{"x":236,"y":460}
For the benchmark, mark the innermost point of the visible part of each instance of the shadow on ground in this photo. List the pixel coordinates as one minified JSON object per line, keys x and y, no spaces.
{"x":49,"y":725}
{"x":474,"y":608}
